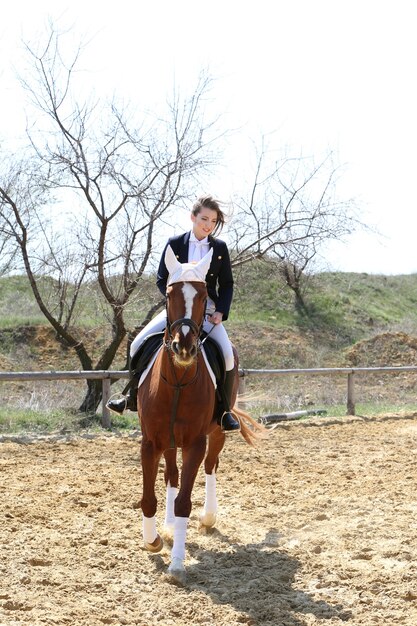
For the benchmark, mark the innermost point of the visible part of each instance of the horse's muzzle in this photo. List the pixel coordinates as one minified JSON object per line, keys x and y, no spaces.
{"x":184,"y":355}
{"x":184,"y":334}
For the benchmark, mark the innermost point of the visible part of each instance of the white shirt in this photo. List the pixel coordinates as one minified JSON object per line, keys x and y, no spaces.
{"x":197,"y":248}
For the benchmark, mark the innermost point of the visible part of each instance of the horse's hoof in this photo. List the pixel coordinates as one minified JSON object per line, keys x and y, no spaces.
{"x":169,"y":529}
{"x":155,"y":546}
{"x":208,"y":520}
{"x":177,"y":571}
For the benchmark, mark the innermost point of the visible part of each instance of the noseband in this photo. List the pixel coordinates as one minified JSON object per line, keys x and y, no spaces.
{"x":184,"y":321}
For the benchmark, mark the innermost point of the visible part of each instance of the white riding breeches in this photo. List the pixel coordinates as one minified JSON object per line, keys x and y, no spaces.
{"x":218,"y":334}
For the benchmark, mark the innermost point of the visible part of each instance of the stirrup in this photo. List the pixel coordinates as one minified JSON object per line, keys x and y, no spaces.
{"x":228,"y":423}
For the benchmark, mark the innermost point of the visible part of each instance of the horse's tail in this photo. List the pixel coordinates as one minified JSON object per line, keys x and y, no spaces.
{"x":251,"y":431}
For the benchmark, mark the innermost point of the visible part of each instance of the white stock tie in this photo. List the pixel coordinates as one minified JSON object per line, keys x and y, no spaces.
{"x":198,"y":249}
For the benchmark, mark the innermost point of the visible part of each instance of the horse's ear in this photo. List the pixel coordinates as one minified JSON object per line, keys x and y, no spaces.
{"x":171,"y":261}
{"x":203,"y":265}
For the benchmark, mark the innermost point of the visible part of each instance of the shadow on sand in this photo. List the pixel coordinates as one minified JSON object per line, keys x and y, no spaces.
{"x":257,"y":580}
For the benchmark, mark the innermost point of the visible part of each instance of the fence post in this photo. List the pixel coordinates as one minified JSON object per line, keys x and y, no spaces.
{"x":351,"y":394}
{"x":105,"y":420}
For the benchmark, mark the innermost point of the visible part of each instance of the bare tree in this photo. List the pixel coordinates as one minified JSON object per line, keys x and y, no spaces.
{"x":8,"y":254}
{"x":290,"y":210}
{"x":86,"y":201}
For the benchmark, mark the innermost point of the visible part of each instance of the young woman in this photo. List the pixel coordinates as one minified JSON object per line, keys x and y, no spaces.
{"x":207,"y":220}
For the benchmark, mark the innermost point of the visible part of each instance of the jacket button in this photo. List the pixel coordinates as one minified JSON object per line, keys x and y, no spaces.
{"x":211,"y":274}
{"x":178,"y":256}
{"x":219,"y":257}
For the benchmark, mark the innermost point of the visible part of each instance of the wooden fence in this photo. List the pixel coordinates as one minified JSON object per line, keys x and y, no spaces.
{"x":349,"y":372}
{"x":106,"y":376}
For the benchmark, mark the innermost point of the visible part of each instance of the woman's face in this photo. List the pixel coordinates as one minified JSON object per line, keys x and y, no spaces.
{"x":204,"y":222}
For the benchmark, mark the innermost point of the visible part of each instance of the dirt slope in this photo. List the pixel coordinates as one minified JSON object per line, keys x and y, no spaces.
{"x":36,"y":347}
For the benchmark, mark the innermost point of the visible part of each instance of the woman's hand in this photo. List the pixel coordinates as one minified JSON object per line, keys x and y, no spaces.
{"x":216,"y":318}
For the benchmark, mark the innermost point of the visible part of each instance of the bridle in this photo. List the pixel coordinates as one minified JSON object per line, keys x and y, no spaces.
{"x":195,"y":328}
{"x":180,"y":382}
{"x":184,"y":321}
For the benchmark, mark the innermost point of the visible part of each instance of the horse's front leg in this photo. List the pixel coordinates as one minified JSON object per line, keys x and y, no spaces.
{"x":150,"y":460}
{"x":171,"y":482}
{"x":215,"y":446}
{"x":192,"y":459}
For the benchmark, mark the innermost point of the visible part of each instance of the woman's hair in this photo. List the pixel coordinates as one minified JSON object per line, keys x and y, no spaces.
{"x":208,"y":202}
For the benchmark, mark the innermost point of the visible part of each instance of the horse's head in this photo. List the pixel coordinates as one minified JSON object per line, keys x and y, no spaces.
{"x":186,"y":305}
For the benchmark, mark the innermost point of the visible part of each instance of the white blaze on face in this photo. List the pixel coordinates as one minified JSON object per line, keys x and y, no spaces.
{"x":189,"y":294}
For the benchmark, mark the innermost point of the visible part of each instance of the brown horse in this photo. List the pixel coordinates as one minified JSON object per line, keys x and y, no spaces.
{"x":176,"y":405}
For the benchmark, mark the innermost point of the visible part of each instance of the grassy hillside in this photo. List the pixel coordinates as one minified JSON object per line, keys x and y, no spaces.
{"x":352,"y":320}
{"x":345,"y":303}
{"x":343,"y":308}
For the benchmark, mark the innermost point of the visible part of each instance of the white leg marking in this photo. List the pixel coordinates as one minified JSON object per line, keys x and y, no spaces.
{"x":208,"y":517}
{"x":180,"y":534}
{"x":149,"y":529}
{"x":169,"y":522}
{"x":176,"y":568}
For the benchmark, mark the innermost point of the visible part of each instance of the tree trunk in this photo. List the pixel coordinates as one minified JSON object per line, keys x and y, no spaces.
{"x":92,"y":398}
{"x":300,"y":305}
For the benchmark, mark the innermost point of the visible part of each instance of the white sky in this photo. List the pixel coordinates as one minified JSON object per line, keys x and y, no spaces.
{"x":324,"y":74}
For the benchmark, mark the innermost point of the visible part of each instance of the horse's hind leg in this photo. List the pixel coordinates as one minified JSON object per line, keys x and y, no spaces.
{"x":150,"y":462}
{"x":171,"y":482}
{"x":215,"y":446}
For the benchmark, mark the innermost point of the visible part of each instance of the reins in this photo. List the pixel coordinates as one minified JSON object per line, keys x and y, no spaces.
{"x":178,"y":385}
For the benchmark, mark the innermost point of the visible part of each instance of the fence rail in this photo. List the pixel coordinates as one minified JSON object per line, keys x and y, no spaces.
{"x":106,"y":376}
{"x":350,"y":372}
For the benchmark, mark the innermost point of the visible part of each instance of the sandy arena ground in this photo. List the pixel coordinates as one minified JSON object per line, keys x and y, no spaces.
{"x":316,"y":526}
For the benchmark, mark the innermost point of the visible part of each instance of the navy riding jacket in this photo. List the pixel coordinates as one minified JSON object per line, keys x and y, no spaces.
{"x":219,"y":278}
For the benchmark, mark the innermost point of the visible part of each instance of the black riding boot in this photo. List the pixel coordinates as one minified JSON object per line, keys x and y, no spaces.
{"x":129,"y":402}
{"x":227,"y":421}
